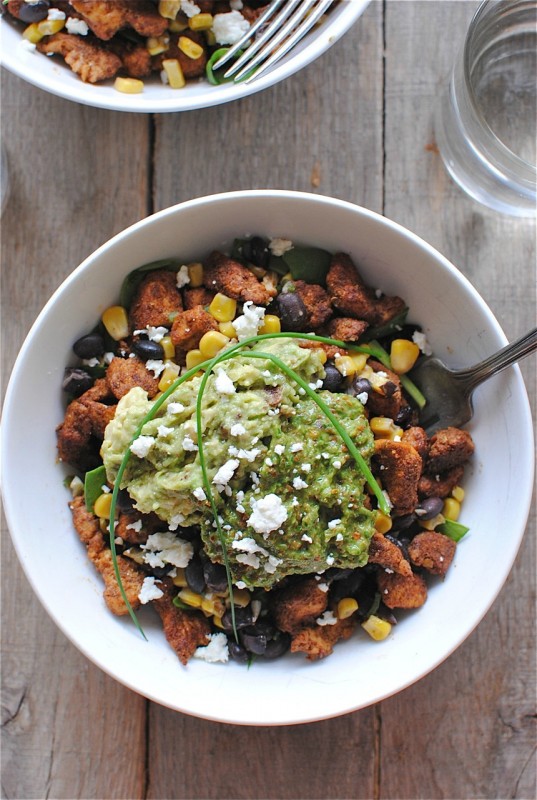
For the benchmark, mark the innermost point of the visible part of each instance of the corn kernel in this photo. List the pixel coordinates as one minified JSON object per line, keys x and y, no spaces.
{"x":227,"y":329}
{"x":101,"y":507}
{"x":193,"y":358}
{"x":360,"y":360}
{"x":48,"y":27}
{"x":169,"y":8}
{"x":346,"y":607}
{"x":452,"y":508}
{"x":178,"y":25}
{"x":241,"y":597}
{"x":222,"y":308}
{"x":384,"y":428}
{"x":383,"y":522}
{"x":200,"y":22}
{"x":116,"y":322}
{"x":190,"y":598}
{"x":210,"y":38}
{"x":157,"y":44}
{"x":213,"y":605}
{"x":179,"y":579}
{"x":323,"y":358}
{"x":431,"y":524}
{"x":211,"y":343}
{"x":218,"y":622}
{"x":377,"y":628}
{"x":403,"y":355}
{"x":172,"y":68}
{"x":134,"y":553}
{"x":458,"y":493}
{"x":271,"y":324}
{"x":32,"y":33}
{"x":190,"y":48}
{"x":195,"y":273}
{"x":168,"y":347}
{"x":345,"y":365}
{"x":168,"y":376}
{"x":128,"y":85}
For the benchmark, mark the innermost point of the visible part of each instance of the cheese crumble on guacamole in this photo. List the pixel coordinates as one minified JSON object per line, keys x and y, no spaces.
{"x":289,"y":495}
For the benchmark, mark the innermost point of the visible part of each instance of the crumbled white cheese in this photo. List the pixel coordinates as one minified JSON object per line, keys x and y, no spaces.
{"x":166,"y":548}
{"x":306,"y":538}
{"x":241,"y":453}
{"x":252,"y":317}
{"x":237,"y":429}
{"x":279,"y":246}
{"x":189,"y":8}
{"x":164,"y":431}
{"x":90,"y":362}
{"x":339,"y":537}
{"x":150,"y":590}
{"x":175,"y":521}
{"x":306,"y":467}
{"x":336,"y":464}
{"x":334,"y":523}
{"x":330,"y":560}
{"x":135,"y":526}
{"x":421,"y":340}
{"x":229,"y":28}
{"x":142,"y":445}
{"x":189,"y":445}
{"x":217,"y":649}
{"x":327,"y":618}
{"x":175,"y":408}
{"x":271,"y":564}
{"x":363,"y":397}
{"x":155,"y":365}
{"x":183,"y":277}
{"x":268,"y":514}
{"x":296,"y":447}
{"x":55,"y":13}
{"x":199,"y":494}
{"x":223,"y":383}
{"x":225,"y":473}
{"x":108,"y":358}
{"x":279,"y":449}
{"x":323,"y":587}
{"x":298,"y":483}
{"x":77,"y":26}
{"x":154,"y":334}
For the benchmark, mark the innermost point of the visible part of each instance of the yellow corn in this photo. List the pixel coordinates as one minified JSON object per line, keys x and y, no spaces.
{"x":211,"y":343}
{"x":116,"y":322}
{"x":190,"y":598}
{"x":271,"y":324}
{"x":172,"y":68}
{"x":167,"y":377}
{"x":169,"y":8}
{"x":178,"y":25}
{"x":241,"y":597}
{"x":102,"y":505}
{"x":360,"y":360}
{"x":383,"y":522}
{"x":200,"y":22}
{"x":377,"y":628}
{"x":322,"y":355}
{"x":384,"y":428}
{"x":403,"y":355}
{"x":195,"y":273}
{"x":431,"y":524}
{"x":222,"y":308}
{"x":193,"y":358}
{"x":213,"y":605}
{"x":218,"y":622}
{"x":346,"y":365}
{"x":32,"y":33}
{"x":190,"y":48}
{"x":168,"y":347}
{"x":179,"y":579}
{"x":47,"y":27}
{"x":227,"y":329}
{"x":157,"y":44}
{"x":458,"y":493}
{"x":128,"y":85}
{"x":346,"y":607}
{"x":452,"y":508}
{"x":210,"y":38}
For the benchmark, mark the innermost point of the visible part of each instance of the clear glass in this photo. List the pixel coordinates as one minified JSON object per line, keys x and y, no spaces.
{"x":486,"y":121}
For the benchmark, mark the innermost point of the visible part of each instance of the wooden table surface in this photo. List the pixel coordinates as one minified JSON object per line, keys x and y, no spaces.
{"x":358,"y":125}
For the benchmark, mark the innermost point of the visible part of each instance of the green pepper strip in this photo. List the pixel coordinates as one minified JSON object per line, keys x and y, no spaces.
{"x":208,"y":366}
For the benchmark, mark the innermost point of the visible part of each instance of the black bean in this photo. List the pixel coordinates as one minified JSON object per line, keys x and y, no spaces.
{"x":90,"y":346}
{"x":76,"y":381}
{"x":161,"y":572}
{"x":407,"y":417}
{"x":429,"y":508}
{"x":402,"y":523}
{"x":361,"y":386}
{"x":34,"y":12}
{"x":194,"y":575}
{"x":389,"y":388}
{"x":146,"y":349}
{"x":237,"y":652}
{"x":215,"y":576}
{"x":293,"y":313}
{"x":124,"y":500}
{"x":333,"y":379}
{"x":259,"y":252}
{"x":349,"y":585}
{"x":336,"y":574}
{"x":277,"y":646}
{"x":256,"y":644}
{"x":243,"y":618}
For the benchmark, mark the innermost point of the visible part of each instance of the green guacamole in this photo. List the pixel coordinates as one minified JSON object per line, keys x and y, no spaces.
{"x":289,"y":496}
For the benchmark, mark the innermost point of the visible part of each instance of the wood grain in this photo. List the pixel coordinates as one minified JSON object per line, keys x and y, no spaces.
{"x":357,"y":124}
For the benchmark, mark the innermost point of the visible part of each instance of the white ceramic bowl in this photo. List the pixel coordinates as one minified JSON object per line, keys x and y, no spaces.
{"x":52,"y":75}
{"x":461,"y":329}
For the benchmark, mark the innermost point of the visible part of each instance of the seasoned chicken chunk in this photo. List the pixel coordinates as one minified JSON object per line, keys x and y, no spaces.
{"x":89,"y":60}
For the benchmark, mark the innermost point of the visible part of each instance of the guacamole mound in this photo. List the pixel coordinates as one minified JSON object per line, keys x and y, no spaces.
{"x":290,"y":497}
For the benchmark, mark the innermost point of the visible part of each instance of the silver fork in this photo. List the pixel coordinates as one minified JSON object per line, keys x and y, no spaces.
{"x":287,"y":28}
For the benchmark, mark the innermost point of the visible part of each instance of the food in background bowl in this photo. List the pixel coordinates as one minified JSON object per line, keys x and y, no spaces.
{"x":251,"y":457}
{"x":460,"y":329}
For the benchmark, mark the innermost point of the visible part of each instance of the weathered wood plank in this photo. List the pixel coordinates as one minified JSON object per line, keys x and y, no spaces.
{"x":78,"y":176}
{"x":467,"y":729}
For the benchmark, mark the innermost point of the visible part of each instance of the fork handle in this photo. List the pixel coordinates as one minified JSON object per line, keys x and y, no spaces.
{"x":508,"y":355}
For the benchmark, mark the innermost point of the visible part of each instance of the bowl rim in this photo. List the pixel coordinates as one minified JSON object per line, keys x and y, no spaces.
{"x":263,"y":194}
{"x":187,"y":99}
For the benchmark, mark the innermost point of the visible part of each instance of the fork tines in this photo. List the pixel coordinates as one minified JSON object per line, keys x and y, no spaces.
{"x":277,"y":35}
